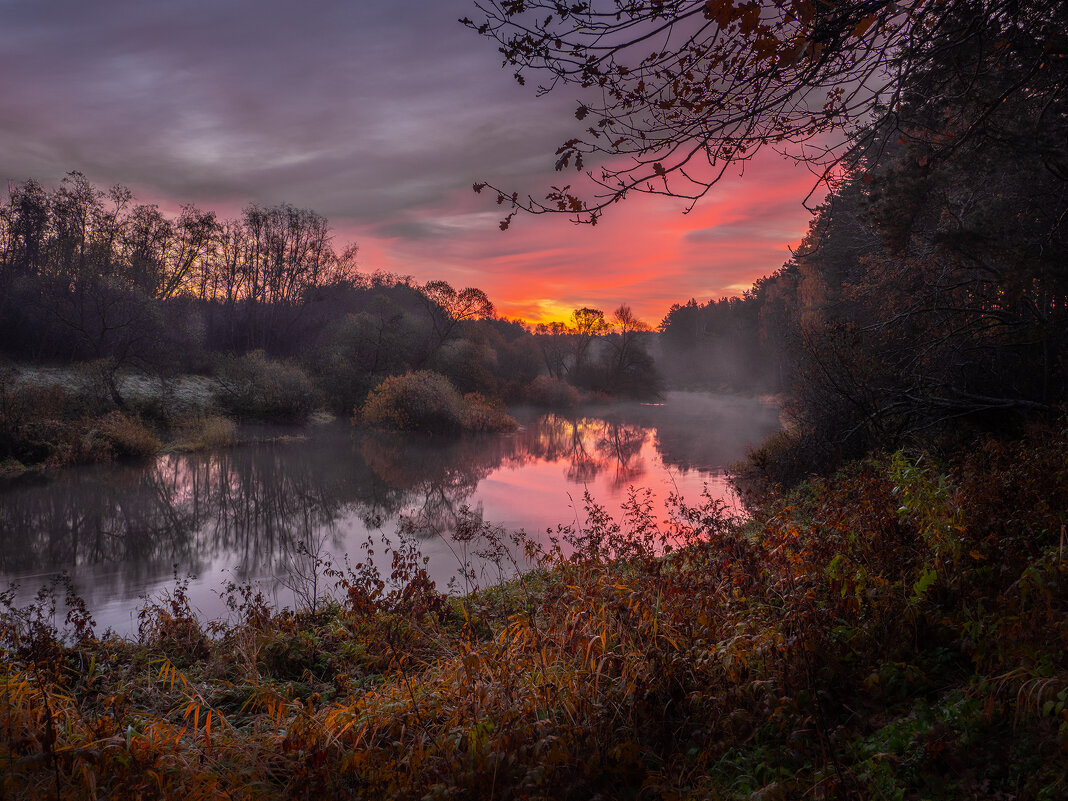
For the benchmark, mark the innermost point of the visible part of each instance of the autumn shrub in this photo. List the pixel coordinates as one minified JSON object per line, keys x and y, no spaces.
{"x":42,"y":423}
{"x":419,"y":401}
{"x":206,"y":432}
{"x":255,"y":387}
{"x":483,"y":414}
{"x":52,"y":425}
{"x":551,"y":393}
{"x":24,"y":439}
{"x":168,"y":625}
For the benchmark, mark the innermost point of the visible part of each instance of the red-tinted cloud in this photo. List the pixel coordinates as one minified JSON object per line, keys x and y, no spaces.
{"x":379,"y":115}
{"x":644,"y":252}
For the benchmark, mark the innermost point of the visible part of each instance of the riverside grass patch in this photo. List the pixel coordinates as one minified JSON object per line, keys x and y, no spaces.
{"x":896,"y":631}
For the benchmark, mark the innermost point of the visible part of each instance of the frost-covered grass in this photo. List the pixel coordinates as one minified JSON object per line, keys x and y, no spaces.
{"x":55,"y":416}
{"x":182,"y":394}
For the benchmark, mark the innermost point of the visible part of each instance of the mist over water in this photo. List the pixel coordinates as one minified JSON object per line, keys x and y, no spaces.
{"x":123,"y":530}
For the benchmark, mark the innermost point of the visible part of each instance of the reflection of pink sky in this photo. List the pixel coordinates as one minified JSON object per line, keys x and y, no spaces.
{"x":243,"y":511}
{"x":530,"y":496}
{"x":645,"y":252}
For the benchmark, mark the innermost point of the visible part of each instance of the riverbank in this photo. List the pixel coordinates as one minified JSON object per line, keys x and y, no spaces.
{"x":53,"y":417}
{"x":896,"y":631}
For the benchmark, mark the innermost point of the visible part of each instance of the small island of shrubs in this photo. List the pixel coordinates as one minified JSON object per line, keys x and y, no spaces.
{"x":426,"y":401}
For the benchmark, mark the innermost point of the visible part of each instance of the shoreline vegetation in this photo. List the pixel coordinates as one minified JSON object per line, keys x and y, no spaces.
{"x":52,"y":418}
{"x":890,"y":622}
{"x":896,"y":630}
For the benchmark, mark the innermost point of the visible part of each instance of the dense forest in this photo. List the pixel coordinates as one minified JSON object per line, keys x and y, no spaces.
{"x":930,"y":296}
{"x":888,"y":621}
{"x":268,"y":309}
{"x":90,"y":276}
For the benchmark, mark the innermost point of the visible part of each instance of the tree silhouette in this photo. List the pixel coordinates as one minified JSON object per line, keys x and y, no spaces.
{"x":447,"y":307}
{"x":678,"y":90}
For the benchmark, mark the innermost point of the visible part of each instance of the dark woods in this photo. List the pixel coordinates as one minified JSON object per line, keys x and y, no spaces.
{"x":930,"y":296}
{"x":265,"y":306}
{"x":88,"y":275}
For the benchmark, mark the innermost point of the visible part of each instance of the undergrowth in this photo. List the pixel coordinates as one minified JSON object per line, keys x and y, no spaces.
{"x":897,"y":631}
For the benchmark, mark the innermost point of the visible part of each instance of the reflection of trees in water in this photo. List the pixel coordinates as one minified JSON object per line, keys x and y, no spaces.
{"x":253,"y":504}
{"x":620,"y":445}
{"x":432,"y":480}
{"x":590,"y":446}
{"x":83,"y":520}
{"x":179,"y":508}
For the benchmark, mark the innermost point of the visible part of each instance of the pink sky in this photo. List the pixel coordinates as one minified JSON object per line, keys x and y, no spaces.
{"x":379,"y":115}
{"x":644,"y":252}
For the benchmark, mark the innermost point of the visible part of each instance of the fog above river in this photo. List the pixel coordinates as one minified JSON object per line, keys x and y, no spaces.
{"x":244,"y":514}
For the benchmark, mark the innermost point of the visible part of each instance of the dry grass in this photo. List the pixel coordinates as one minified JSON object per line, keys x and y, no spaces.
{"x":205,"y":432}
{"x":891,"y":633}
{"x":126,"y":435}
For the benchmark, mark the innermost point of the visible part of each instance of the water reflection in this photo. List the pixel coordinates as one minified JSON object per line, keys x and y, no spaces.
{"x":121,"y":529}
{"x":179,"y":508}
{"x":590,"y":446}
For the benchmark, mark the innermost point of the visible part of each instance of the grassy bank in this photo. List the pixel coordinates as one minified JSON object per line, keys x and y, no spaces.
{"x":55,"y":417}
{"x":897,"y":631}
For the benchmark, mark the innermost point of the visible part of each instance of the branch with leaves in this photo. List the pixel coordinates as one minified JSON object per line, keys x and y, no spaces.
{"x":677,"y":91}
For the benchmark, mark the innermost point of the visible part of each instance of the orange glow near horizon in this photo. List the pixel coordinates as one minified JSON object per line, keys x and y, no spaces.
{"x":645,"y":252}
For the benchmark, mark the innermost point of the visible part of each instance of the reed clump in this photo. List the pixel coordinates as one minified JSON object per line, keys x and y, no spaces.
{"x":201,"y":432}
{"x":896,"y":631}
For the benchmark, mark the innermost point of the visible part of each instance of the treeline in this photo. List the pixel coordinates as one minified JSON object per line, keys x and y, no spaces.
{"x":738,"y":343}
{"x":87,"y":275}
{"x":67,"y":253}
{"x":600,"y":354}
{"x":267,"y":305}
{"x":929,"y":298}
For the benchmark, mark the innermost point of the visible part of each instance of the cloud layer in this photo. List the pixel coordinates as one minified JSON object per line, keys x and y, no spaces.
{"x":379,"y":114}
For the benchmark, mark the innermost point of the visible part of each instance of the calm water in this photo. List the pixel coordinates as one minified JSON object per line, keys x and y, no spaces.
{"x":121,"y":531}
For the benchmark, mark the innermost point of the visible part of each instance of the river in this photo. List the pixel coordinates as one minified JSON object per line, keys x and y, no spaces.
{"x":254,"y":513}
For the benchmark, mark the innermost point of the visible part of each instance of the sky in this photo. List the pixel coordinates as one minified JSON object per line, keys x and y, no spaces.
{"x":379,"y":115}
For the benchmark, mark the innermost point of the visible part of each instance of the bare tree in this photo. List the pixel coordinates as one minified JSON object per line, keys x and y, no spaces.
{"x":586,"y":324}
{"x":552,"y":339}
{"x":447,"y":307}
{"x":627,"y":328}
